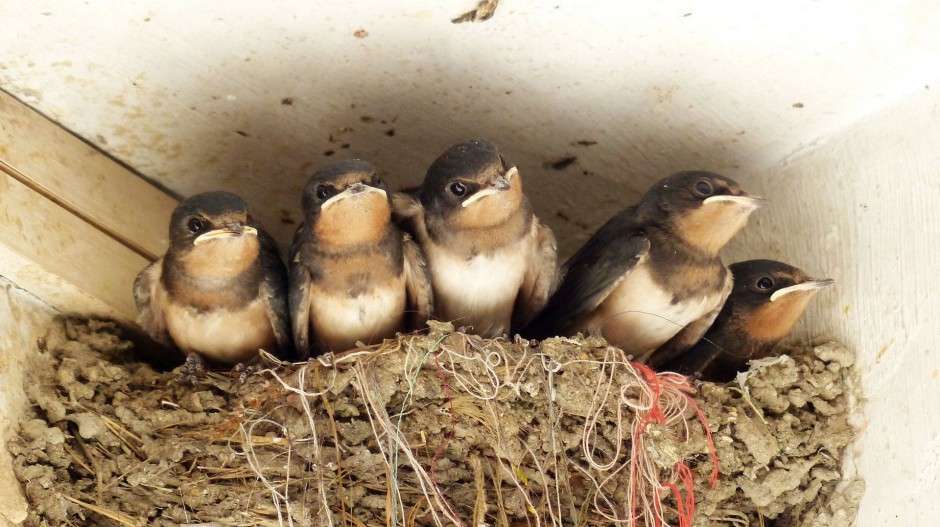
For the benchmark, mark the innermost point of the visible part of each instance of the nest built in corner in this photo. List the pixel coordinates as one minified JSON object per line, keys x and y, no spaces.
{"x":436,"y":429}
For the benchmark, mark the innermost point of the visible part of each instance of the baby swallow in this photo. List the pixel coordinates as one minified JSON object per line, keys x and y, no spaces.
{"x":354,"y":275}
{"x":650,"y":279}
{"x":220,"y":291}
{"x":767,"y":301}
{"x":492,"y":262}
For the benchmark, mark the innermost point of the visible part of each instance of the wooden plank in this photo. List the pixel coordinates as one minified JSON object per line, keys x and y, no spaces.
{"x":63,"y":259}
{"x":79,"y":178}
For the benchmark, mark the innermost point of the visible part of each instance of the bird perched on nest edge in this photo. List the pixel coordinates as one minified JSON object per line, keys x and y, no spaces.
{"x":491,"y":261}
{"x":220,"y":291}
{"x":354,"y":275}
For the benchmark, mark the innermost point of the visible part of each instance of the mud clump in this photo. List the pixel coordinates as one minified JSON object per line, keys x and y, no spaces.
{"x":436,"y":429}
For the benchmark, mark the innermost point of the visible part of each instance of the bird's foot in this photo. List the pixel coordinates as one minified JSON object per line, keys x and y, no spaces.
{"x":245,"y":370}
{"x":695,"y":380}
{"x":193,"y":370}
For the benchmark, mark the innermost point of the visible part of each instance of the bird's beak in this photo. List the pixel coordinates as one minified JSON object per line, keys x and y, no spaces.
{"x":229,"y":231}
{"x":502,"y":182}
{"x":809,"y":286}
{"x":746,"y":201}
{"x":352,"y":190}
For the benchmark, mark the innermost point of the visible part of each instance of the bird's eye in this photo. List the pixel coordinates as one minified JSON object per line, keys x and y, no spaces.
{"x":703,"y":188}
{"x":458,"y":188}
{"x":324,"y":191}
{"x":194,"y":225}
{"x":765,"y":283}
{"x":376,"y":181}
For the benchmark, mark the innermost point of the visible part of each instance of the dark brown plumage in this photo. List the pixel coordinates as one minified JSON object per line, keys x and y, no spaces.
{"x":650,"y":280}
{"x":767,"y":300}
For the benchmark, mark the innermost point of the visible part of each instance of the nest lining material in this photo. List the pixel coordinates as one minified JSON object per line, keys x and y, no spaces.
{"x":437,"y":429}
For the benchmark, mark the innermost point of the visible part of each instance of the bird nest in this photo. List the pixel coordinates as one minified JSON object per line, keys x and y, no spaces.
{"x":435,"y":429}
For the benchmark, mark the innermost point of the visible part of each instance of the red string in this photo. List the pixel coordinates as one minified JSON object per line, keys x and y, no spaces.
{"x":712,"y":452}
{"x":652,"y":379}
{"x":682,"y":384}
{"x":654,"y":414}
{"x":685,"y":505}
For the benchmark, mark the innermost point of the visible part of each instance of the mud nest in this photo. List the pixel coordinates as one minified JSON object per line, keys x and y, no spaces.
{"x":436,"y":429}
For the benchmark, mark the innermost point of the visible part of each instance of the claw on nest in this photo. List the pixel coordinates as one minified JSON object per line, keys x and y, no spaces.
{"x":193,"y":370}
{"x":246,"y":371}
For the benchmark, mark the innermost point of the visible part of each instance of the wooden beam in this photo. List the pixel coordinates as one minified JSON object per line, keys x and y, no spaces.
{"x":62,"y":259}
{"x":75,"y":226}
{"x":66,"y":170}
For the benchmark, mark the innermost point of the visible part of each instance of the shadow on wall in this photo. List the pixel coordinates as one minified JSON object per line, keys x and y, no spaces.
{"x":581,"y":159}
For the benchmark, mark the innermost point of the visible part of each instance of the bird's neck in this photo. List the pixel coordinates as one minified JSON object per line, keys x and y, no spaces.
{"x":708,"y":228}
{"x":773,"y":321}
{"x":357,"y":222}
{"x":702,"y":273}
{"x":487,"y":239}
{"x":386,"y":240}
{"x":219,"y":273}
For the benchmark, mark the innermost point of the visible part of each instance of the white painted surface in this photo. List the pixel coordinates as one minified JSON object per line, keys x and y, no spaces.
{"x":23,"y":320}
{"x":864,"y":208}
{"x":822,"y":106}
{"x":661,"y":86}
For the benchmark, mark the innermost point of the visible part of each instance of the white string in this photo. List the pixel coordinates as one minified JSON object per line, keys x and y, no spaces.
{"x":492,"y":372}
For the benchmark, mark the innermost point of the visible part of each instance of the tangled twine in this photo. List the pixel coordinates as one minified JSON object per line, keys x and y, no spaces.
{"x":623,"y":468}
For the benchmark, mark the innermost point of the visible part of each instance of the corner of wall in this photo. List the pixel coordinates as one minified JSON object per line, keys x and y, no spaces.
{"x":26,"y":319}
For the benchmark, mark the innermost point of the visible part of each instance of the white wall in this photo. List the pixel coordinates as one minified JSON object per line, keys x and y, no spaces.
{"x":822,"y":106}
{"x":864,"y":208}
{"x":23,"y":320}
{"x":661,"y":86}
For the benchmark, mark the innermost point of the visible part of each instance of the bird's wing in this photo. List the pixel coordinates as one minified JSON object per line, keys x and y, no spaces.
{"x":690,"y":334}
{"x":591,"y":274}
{"x":540,"y":277}
{"x":298,"y":298}
{"x":417,"y":284}
{"x":702,"y":356}
{"x":275,"y":291}
{"x":150,"y":315}
{"x":408,"y":213}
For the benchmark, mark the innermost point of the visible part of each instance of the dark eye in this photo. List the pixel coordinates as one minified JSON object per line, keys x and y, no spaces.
{"x":458,"y":188}
{"x":194,"y":225}
{"x":765,"y":283}
{"x":376,"y":181}
{"x":324,"y":191}
{"x":703,"y":188}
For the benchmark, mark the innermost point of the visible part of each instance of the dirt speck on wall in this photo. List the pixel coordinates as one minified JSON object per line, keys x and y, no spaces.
{"x":439,"y":429}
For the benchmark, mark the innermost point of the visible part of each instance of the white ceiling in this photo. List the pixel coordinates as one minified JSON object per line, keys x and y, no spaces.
{"x":250,"y":96}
